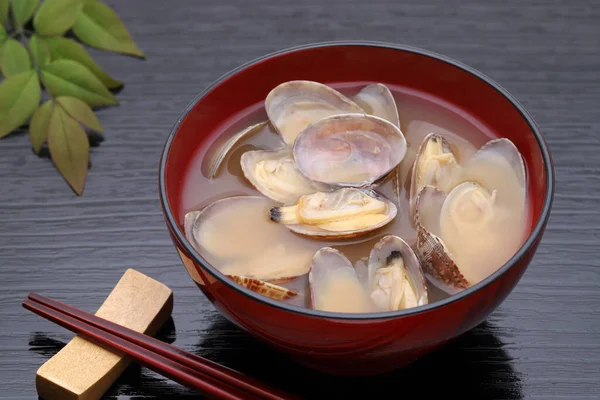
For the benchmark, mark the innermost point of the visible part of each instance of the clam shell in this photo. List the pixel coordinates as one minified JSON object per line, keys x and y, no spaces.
{"x":436,"y":261}
{"x":293,"y":105}
{"x":275,"y":175}
{"x":481,"y":232}
{"x":505,"y":148}
{"x":493,"y":165}
{"x":233,"y":251}
{"x":383,"y":254}
{"x":362,"y":270}
{"x":322,"y":222}
{"x":351,"y":150}
{"x":334,"y":284}
{"x":229,"y":144}
{"x":376,"y":99}
{"x":441,"y":180}
{"x":264,"y":288}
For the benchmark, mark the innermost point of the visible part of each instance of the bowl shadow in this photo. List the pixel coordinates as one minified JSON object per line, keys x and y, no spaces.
{"x":473,"y":366}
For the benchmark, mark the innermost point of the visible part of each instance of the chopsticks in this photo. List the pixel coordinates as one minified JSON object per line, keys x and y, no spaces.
{"x":195,"y":372}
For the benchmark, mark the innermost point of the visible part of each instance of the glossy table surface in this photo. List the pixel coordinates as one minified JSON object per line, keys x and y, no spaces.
{"x":542,"y":343}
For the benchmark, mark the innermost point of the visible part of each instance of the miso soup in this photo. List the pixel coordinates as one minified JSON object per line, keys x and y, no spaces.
{"x":356,"y":198}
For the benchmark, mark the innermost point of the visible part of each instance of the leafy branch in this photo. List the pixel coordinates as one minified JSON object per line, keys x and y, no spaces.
{"x":42,"y":48}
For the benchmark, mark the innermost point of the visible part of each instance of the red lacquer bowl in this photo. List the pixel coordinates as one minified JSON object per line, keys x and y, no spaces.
{"x":356,"y":344}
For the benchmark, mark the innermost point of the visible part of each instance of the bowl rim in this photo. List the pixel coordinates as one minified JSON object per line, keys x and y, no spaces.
{"x":536,"y":232}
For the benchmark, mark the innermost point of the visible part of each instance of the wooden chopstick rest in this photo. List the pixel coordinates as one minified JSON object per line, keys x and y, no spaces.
{"x":83,"y":370}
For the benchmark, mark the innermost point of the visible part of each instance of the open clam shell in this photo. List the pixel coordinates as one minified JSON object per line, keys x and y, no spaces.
{"x":341,"y":213}
{"x":362,"y":270}
{"x":351,"y":150}
{"x":396,"y":280}
{"x":294,"y":105}
{"x":275,"y":175}
{"x":481,"y":231}
{"x":224,"y":150}
{"x":376,"y":99}
{"x":334,"y":284}
{"x":437,"y":262}
{"x":506,"y":149}
{"x":462,"y":236}
{"x":215,"y":233}
{"x":264,"y":288}
{"x":435,"y":165}
{"x":498,"y":165}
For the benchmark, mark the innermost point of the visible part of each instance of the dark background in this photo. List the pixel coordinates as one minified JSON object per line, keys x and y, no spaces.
{"x":542,"y":343}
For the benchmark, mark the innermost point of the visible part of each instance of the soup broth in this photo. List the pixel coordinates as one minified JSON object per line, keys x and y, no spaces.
{"x":235,"y":226}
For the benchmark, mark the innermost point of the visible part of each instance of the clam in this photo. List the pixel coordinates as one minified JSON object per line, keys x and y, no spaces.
{"x":334,"y":284}
{"x":376,"y":99}
{"x":435,"y":165}
{"x":481,"y":230}
{"x":294,"y":105}
{"x":437,"y":262}
{"x":341,"y":213}
{"x":352,"y":150}
{"x":230,"y":143}
{"x":214,"y":232}
{"x":459,"y":234}
{"x":274,"y":174}
{"x":264,"y":288}
{"x":396,"y":280}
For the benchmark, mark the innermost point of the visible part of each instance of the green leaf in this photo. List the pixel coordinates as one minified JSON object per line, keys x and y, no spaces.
{"x":3,"y":37}
{"x":3,"y":11}
{"x":55,"y":17}
{"x":40,"y":51}
{"x":38,"y":126}
{"x":3,"y":34}
{"x":63,"y":48}
{"x":99,"y":26}
{"x":80,"y":111}
{"x":23,"y":10}
{"x":15,"y":58}
{"x":19,"y":96}
{"x":69,"y":78}
{"x":69,"y":148}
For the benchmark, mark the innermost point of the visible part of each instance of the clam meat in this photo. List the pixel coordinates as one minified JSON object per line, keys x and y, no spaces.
{"x":274,"y":174}
{"x":344,"y":212}
{"x":334,"y":284}
{"x":435,"y":165}
{"x":351,"y":150}
{"x":396,"y":280}
{"x":294,"y":105}
{"x":415,"y":132}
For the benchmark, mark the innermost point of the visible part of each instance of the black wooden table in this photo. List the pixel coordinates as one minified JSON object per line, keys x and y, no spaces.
{"x":542,"y":343}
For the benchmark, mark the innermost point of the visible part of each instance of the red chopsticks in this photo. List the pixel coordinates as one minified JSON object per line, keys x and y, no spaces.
{"x":188,"y":369}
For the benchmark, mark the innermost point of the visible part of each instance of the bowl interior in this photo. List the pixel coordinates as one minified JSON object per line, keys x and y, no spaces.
{"x":466,"y":91}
